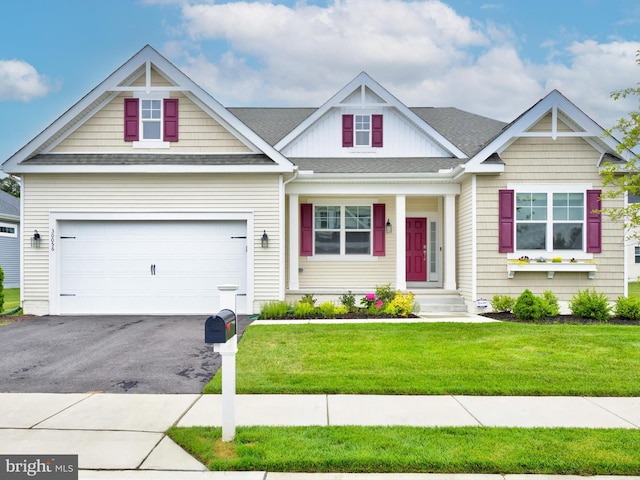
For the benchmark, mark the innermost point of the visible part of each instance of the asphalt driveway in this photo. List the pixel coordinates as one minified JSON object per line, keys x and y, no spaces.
{"x":115,"y":354}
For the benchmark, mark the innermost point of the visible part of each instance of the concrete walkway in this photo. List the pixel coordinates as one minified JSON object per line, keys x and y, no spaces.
{"x":120,"y":436}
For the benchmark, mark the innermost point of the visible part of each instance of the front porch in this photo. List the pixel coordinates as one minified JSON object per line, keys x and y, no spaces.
{"x":417,"y":240}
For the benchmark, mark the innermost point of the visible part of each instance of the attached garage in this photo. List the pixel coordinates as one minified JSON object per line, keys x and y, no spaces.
{"x":148,"y":266}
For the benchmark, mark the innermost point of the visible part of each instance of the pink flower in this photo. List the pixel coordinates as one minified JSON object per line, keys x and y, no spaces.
{"x":379,"y":304}
{"x":370,"y":296}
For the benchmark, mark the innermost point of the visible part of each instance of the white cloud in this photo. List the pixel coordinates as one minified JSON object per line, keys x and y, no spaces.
{"x":422,"y":51}
{"x":21,"y":81}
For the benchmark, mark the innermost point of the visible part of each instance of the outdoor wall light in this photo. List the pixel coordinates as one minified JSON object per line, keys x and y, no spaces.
{"x":265,"y":240}
{"x":35,"y":240}
{"x":388,"y":226}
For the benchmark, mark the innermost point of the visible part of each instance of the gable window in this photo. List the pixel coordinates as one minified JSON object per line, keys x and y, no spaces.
{"x":149,"y":120}
{"x":151,"y":116}
{"x":549,"y":221}
{"x":362,"y":130}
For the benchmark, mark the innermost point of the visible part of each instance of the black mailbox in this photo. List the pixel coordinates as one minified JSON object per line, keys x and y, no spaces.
{"x":220,"y":328}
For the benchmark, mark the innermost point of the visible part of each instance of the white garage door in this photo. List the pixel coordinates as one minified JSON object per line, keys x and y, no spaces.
{"x":150,"y":267}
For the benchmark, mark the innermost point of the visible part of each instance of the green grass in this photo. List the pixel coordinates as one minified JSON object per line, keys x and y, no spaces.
{"x":11,"y":299}
{"x":410,"y":449}
{"x":439,"y":359}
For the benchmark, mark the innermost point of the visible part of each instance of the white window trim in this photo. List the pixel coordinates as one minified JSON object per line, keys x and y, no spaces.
{"x":151,"y":143}
{"x":355,"y":130}
{"x":550,"y":189}
{"x":7,"y":234}
{"x":343,"y":256}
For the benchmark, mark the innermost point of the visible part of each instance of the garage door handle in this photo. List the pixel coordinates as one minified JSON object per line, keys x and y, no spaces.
{"x":153,"y":269}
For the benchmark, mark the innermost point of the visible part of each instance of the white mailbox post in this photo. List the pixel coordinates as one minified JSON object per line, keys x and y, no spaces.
{"x":228,"y":352}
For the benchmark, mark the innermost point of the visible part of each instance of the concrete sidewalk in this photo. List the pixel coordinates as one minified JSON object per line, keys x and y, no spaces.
{"x":121,"y":436}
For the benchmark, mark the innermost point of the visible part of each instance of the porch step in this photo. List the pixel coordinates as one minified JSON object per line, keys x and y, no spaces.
{"x":441,"y":303}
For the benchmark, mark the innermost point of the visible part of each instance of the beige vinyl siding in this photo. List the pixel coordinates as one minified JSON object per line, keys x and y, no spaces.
{"x":543,"y":160}
{"x":465,"y":241}
{"x":344,"y":275}
{"x":157,"y":80}
{"x":104,"y":132}
{"x":168,"y":194}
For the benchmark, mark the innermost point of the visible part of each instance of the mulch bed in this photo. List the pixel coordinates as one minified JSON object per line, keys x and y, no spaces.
{"x":561,"y":319}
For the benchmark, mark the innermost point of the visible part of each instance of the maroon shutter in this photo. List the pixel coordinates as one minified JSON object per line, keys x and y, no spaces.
{"x":376,"y":130}
{"x":505,"y":221}
{"x":594,"y":222}
{"x":131,"y":119}
{"x":347,"y":130}
{"x":306,"y":230}
{"x":170,"y":120}
{"x":379,"y":223}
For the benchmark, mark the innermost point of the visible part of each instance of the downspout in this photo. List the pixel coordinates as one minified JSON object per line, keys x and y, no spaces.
{"x":281,"y":260}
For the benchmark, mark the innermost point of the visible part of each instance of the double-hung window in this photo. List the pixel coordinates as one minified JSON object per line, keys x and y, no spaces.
{"x":342,"y":230}
{"x":550,"y":221}
{"x":151,"y":118}
{"x":363,"y":130}
{"x":534,"y":219}
{"x":151,"y":121}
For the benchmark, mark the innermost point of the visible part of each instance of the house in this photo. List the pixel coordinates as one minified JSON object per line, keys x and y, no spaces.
{"x":148,"y":193}
{"x":632,"y":246}
{"x":9,"y":243}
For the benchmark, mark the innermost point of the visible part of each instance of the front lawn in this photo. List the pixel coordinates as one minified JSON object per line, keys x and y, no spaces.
{"x":11,"y":299}
{"x":439,"y":359}
{"x":568,"y":451}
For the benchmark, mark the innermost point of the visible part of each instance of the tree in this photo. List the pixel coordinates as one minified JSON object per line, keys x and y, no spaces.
{"x":625,"y":178}
{"x":10,"y":185}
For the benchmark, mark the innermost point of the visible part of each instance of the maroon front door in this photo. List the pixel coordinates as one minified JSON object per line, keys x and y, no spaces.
{"x":416,"y":247}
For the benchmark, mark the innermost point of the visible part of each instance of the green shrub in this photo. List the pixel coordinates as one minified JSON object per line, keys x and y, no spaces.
{"x":308,"y":298}
{"x":275,"y":309}
{"x":528,"y":306}
{"x":590,"y":304}
{"x":304,"y":310}
{"x":348,"y":300}
{"x":342,"y":310}
{"x":402,"y":304}
{"x":327,"y":309}
{"x":502,"y":303}
{"x":550,"y":304}
{"x":628,"y":307}
{"x":385,"y":293}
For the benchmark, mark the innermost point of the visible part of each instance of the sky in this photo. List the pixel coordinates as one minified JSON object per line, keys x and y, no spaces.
{"x":494,"y":58}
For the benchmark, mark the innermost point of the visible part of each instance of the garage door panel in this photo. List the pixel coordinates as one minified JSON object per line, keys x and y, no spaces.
{"x":160,"y":267}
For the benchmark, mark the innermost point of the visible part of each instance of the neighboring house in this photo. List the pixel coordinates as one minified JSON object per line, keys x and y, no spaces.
{"x":632,"y":246}
{"x":148,"y":193}
{"x":9,"y":239}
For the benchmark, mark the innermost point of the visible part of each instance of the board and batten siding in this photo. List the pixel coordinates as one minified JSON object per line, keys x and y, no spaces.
{"x":152,"y":193}
{"x":342,"y":275}
{"x":545,"y":161}
{"x":400,"y":138}
{"x":198,"y":132}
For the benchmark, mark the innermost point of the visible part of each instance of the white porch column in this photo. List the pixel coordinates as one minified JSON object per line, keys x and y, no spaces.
{"x":294,"y":242}
{"x":400,"y":229}
{"x":449,"y":243}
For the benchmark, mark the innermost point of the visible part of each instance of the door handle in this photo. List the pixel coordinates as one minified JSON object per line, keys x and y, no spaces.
{"x":153,"y":269}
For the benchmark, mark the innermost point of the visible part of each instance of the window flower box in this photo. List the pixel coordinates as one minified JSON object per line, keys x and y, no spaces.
{"x":552,"y":267}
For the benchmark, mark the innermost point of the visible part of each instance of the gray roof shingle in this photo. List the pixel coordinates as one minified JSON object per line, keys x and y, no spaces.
{"x":9,"y":205}
{"x":147,"y":159}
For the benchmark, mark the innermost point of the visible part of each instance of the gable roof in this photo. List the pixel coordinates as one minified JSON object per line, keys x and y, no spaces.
{"x":121,"y":80}
{"x":9,"y":206}
{"x":559,"y":106}
{"x":361,"y":83}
